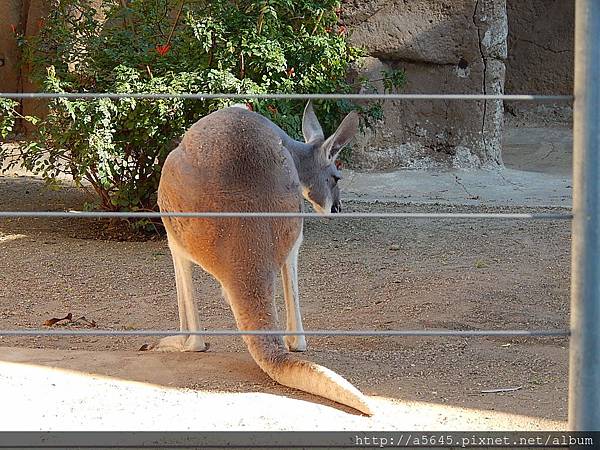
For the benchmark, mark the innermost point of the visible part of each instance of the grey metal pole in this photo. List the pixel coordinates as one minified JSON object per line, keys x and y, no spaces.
{"x":584,"y":365}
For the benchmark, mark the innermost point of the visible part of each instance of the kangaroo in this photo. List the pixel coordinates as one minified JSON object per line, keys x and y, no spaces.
{"x":235,"y":160}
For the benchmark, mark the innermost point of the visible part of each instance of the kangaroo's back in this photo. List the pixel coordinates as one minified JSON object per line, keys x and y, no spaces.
{"x":236,"y":159}
{"x":231,"y":161}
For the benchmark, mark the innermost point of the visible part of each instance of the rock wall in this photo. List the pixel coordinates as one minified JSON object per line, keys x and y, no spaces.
{"x":540,"y":43}
{"x":445,"y":46}
{"x":540,"y":57}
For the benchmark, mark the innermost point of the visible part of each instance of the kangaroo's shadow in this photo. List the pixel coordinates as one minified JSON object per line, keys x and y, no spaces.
{"x":216,"y":372}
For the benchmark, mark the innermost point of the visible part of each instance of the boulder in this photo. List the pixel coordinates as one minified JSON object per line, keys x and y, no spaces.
{"x":444,"y":46}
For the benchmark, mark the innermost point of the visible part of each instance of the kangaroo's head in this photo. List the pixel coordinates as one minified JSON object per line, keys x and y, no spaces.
{"x":319,"y":174}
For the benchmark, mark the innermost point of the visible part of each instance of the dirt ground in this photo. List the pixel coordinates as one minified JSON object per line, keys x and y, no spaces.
{"x":378,"y":274}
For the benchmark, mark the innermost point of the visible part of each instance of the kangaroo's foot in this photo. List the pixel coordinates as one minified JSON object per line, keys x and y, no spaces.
{"x":295,"y":343}
{"x":178,"y":344}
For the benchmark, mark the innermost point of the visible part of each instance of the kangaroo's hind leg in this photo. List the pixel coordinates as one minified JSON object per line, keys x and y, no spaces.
{"x":289,"y":277}
{"x":188,"y":311}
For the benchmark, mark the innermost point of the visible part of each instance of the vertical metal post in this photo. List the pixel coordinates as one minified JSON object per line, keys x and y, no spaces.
{"x":584,"y":366}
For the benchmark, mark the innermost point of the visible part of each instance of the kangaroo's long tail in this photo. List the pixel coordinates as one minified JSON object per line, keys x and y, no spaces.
{"x":253,"y":308}
{"x":272,"y":357}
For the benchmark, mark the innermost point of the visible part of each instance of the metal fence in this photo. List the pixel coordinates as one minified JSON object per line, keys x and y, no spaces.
{"x":584,"y":370}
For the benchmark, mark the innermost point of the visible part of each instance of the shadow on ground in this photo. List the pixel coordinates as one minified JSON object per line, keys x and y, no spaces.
{"x":59,"y":390}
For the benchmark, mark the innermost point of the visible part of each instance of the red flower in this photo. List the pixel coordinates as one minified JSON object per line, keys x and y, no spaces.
{"x":249,"y":106}
{"x":291,"y":72}
{"x":162,"y":50}
{"x":40,"y":22}
{"x":272,"y":109}
{"x":341,"y":30}
{"x":338,"y":164}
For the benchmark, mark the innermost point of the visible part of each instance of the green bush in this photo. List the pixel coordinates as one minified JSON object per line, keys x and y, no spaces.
{"x":174,"y":46}
{"x":7,"y":117}
{"x":9,"y":114}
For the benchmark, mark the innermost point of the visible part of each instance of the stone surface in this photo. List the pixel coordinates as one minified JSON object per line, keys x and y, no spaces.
{"x":538,"y":172}
{"x":444,"y":47}
{"x":418,"y":31}
{"x":540,"y":56}
{"x":540,"y":42}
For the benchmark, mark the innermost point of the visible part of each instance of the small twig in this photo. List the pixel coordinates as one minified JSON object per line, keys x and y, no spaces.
{"x":242,"y":66}
{"x":317,"y":23}
{"x":176,"y":22}
{"x":69,"y":321}
{"x":495,"y":391}
{"x":55,"y":320}
{"x":89,"y":323}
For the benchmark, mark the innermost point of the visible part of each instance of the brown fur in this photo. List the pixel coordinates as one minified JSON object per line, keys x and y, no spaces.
{"x":233,"y":160}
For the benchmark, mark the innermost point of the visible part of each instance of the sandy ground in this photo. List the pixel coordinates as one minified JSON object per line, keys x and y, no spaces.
{"x":380,"y":274}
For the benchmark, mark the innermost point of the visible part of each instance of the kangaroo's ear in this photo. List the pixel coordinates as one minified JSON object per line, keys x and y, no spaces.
{"x":311,"y":128}
{"x":344,"y":134}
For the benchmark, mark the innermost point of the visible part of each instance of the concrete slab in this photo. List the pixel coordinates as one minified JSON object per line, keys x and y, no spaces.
{"x":503,"y":187}
{"x":538,"y":173}
{"x":544,"y":150}
{"x":57,"y":390}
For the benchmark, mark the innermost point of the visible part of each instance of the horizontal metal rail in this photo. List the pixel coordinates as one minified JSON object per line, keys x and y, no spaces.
{"x":349,"y":215}
{"x":207,"y":96}
{"x":380,"y":333}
